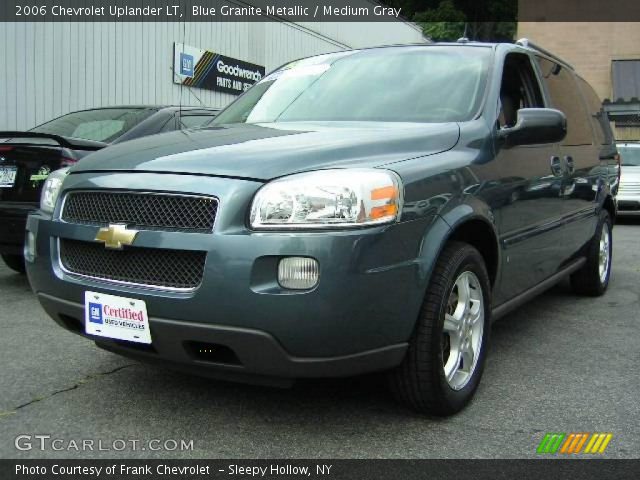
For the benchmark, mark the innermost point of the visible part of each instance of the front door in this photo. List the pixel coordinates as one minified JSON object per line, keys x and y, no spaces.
{"x":531,"y":179}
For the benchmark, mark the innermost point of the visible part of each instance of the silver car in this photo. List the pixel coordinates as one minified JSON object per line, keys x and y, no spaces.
{"x":629,"y":191}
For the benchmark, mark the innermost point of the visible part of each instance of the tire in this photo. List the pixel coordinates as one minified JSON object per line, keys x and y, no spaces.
{"x":593,"y":278}
{"x":14,"y":262}
{"x":420,"y":381}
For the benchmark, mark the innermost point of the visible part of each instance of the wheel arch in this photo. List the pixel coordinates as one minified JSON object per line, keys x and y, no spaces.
{"x":481,"y":235}
{"x":472,"y":223}
{"x":609,"y":205}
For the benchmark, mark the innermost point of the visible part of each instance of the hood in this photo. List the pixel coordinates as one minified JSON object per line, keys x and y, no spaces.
{"x":266,"y":151}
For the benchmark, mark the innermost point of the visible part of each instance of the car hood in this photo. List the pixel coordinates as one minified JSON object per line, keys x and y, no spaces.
{"x":266,"y":151}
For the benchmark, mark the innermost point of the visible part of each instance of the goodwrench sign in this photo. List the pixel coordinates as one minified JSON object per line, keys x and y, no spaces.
{"x":199,"y":68}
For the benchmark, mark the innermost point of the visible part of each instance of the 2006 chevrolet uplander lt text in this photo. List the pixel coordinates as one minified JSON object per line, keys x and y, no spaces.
{"x":359,"y":211}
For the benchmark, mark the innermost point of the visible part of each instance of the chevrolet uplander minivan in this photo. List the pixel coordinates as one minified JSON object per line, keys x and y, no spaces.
{"x":367,"y":210}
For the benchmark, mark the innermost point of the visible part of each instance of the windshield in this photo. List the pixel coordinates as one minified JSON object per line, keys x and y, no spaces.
{"x":102,"y":125}
{"x":630,"y":156}
{"x":405,"y":84}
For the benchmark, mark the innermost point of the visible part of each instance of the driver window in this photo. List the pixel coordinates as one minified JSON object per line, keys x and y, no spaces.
{"x":519,"y":89}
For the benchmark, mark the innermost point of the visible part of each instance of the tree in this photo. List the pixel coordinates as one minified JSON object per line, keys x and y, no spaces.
{"x":442,"y":23}
{"x":447,"y":20}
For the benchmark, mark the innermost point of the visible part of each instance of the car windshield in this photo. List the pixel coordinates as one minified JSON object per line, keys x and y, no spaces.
{"x":404,"y":84}
{"x":102,"y":125}
{"x":630,"y":156}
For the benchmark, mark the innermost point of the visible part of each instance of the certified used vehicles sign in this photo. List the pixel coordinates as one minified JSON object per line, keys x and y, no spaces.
{"x":116,"y":317}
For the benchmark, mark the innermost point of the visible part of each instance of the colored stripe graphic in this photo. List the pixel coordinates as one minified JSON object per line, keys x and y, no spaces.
{"x":572,"y":443}
{"x":197,"y":71}
{"x":210,"y":66}
{"x":550,"y":443}
{"x":581,"y":442}
{"x":598,"y":443}
{"x":204,"y":67}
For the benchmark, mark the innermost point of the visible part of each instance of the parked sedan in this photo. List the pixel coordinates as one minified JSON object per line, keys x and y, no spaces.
{"x":27,"y":158}
{"x":629,"y":191}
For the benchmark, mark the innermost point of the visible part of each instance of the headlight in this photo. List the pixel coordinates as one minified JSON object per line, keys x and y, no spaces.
{"x":328,"y":198}
{"x":51,"y":189}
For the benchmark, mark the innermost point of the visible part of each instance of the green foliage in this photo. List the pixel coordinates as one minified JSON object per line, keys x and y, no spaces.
{"x":442,"y":23}
{"x":446,"y":20}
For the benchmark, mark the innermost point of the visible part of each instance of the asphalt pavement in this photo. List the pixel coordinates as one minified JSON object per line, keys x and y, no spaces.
{"x":561,"y":363}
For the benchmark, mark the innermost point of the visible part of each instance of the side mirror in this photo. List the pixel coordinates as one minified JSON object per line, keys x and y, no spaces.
{"x":535,"y":126}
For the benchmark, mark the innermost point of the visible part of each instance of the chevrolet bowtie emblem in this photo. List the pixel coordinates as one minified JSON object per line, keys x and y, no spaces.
{"x":115,"y":236}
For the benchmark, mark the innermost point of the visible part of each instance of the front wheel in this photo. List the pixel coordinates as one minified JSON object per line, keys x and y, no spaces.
{"x":14,"y":262}
{"x":446,"y":355}
{"x":593,"y":278}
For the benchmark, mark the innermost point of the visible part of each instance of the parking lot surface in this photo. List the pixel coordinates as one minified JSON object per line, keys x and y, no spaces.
{"x":561,"y":363}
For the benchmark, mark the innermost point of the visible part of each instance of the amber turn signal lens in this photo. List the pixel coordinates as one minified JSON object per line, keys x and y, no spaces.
{"x":384,"y":211}
{"x":384,"y":193}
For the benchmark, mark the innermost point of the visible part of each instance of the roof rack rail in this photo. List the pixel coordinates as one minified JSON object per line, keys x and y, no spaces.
{"x":525,"y":42}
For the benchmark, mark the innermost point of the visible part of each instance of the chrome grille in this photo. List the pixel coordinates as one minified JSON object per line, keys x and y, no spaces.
{"x":151,"y":211}
{"x":154,"y":267}
{"x":629,"y":187}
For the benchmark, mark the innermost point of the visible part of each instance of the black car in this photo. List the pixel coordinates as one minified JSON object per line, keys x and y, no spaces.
{"x":27,"y":158}
{"x":369,"y":210}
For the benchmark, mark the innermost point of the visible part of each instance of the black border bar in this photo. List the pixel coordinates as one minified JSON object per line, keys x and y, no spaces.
{"x":301,"y":11}
{"x":574,"y":468}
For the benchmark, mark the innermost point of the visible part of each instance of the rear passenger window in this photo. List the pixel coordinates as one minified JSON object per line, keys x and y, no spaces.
{"x":565,"y":96}
{"x":599,"y":118}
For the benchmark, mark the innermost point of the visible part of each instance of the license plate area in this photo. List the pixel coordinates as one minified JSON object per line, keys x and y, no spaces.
{"x":116,"y":317}
{"x":8,"y":176}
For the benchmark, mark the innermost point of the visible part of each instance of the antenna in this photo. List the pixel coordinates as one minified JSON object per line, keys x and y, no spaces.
{"x":464,"y":38}
{"x":184,"y":35}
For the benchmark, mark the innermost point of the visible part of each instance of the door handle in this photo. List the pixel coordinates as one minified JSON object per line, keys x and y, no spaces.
{"x":570,"y":165}
{"x":556,"y":166}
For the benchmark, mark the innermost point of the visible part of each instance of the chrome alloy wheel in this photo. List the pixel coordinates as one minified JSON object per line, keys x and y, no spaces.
{"x":605,"y":256}
{"x":462,"y":332}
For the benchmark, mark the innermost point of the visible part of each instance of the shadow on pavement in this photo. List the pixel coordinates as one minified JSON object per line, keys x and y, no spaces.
{"x":628,"y":219}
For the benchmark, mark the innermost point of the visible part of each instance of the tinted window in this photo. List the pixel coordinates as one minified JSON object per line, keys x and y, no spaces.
{"x":519,"y":89}
{"x":103,"y":125}
{"x":599,"y":118}
{"x":566,"y":97}
{"x":630,"y":155}
{"x":419,"y":84}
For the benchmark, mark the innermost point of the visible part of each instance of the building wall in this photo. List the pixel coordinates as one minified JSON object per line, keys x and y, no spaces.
{"x":55,"y":68}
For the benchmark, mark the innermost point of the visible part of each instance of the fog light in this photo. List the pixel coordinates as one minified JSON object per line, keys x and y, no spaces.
{"x":30,"y":247}
{"x":298,"y":273}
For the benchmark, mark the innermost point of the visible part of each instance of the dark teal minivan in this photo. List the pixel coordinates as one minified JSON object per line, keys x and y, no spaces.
{"x":368,"y":210}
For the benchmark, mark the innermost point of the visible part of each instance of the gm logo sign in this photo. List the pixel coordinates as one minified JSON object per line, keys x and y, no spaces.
{"x":95,"y":312}
{"x":186,"y":64}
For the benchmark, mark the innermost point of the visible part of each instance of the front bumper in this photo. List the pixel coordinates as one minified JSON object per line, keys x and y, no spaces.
{"x":256,"y":352}
{"x":628,"y":197}
{"x":359,"y":317}
{"x":628,"y":204}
